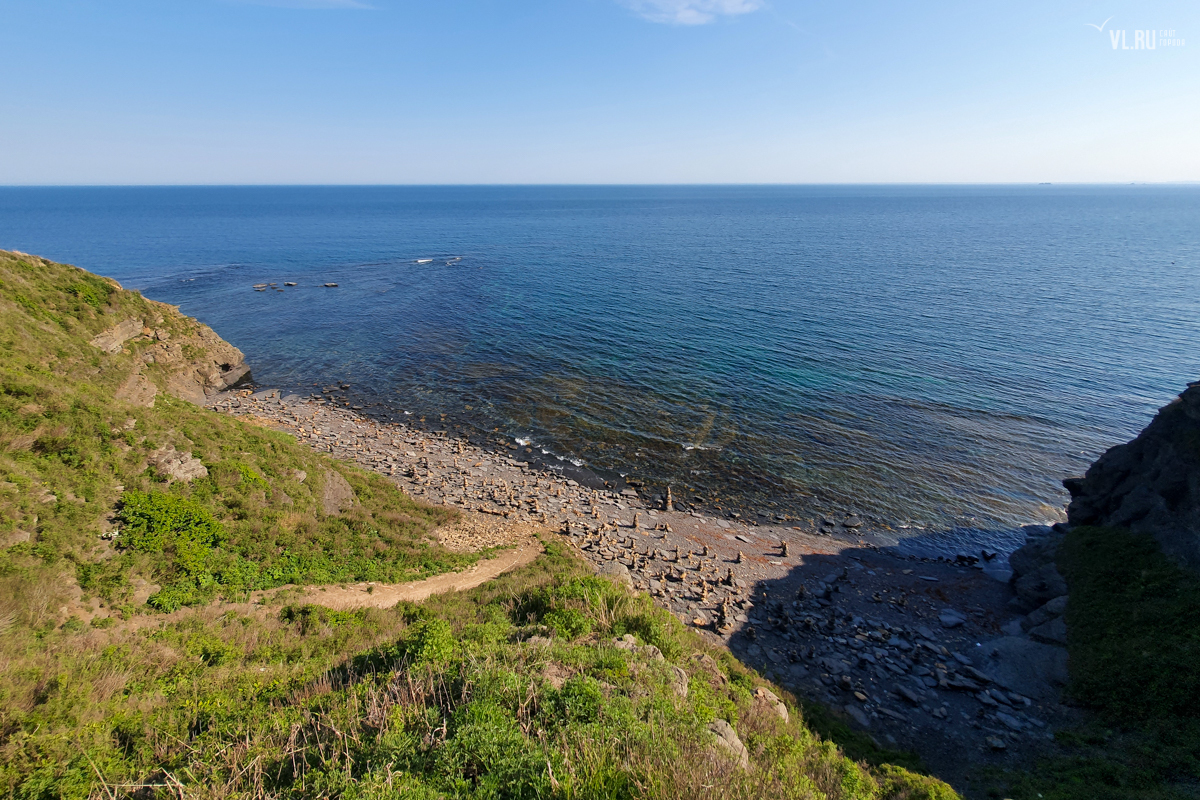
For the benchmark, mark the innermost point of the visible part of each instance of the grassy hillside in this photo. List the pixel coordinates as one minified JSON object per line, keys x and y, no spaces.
{"x":1134,"y":641}
{"x":131,"y":665}
{"x":77,"y":465}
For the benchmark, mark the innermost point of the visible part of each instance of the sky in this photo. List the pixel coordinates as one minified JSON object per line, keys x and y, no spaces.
{"x":596,"y":91}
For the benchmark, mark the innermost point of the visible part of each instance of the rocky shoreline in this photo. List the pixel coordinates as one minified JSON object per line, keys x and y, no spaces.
{"x":925,"y":654}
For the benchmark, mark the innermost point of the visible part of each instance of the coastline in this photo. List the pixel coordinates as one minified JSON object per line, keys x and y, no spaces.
{"x":893,"y":642}
{"x":961,"y":540}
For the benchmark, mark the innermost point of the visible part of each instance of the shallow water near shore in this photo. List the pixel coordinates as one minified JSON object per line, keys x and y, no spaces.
{"x":930,"y":357}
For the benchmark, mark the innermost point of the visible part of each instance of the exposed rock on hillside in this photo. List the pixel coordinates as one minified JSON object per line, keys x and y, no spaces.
{"x":218,"y":365}
{"x":337,"y":495}
{"x":191,"y":363}
{"x":113,"y":339}
{"x":138,"y":391}
{"x":1150,"y":485}
{"x":177,"y":466}
{"x":1036,"y":579}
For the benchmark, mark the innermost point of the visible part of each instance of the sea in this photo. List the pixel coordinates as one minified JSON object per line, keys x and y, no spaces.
{"x":933,"y":359}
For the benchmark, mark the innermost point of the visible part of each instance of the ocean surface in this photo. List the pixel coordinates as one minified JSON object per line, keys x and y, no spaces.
{"x":934,"y":357}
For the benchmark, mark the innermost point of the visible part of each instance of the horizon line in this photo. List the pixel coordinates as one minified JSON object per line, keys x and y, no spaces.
{"x":579,"y":185}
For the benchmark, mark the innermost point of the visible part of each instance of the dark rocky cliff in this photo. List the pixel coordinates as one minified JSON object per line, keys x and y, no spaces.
{"x":1150,"y":485}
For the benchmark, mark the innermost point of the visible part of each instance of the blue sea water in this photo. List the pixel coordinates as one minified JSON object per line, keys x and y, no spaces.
{"x":929,"y":355}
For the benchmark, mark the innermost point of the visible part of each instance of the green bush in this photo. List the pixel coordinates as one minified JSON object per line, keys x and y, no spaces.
{"x":579,"y":700}
{"x":91,"y":290}
{"x":310,"y":618}
{"x":156,"y":521}
{"x":569,"y":623}
{"x":249,"y":479}
{"x":174,"y":597}
{"x":430,"y":642}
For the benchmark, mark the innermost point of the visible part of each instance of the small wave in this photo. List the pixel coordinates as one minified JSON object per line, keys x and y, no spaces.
{"x":523,"y":441}
{"x":574,"y":461}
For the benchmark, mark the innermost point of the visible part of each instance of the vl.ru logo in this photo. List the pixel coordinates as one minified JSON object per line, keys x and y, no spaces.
{"x":1142,"y":39}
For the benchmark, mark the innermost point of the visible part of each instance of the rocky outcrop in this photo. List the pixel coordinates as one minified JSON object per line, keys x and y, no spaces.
{"x":113,"y":339}
{"x":138,"y":391}
{"x":221,"y":365}
{"x":337,"y":493}
{"x":617,"y":571}
{"x":1035,"y":579}
{"x":728,"y":741}
{"x":765,"y":699}
{"x":1041,"y":594}
{"x":1150,"y":485}
{"x":193,"y":363}
{"x":1033,"y":669}
{"x":177,"y":466}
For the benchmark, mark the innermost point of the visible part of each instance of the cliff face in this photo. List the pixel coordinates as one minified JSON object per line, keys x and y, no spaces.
{"x":83,"y":327}
{"x":1150,"y":485}
{"x":176,"y":354}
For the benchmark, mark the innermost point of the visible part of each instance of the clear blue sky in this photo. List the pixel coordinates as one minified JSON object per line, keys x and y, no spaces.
{"x":594,"y":91}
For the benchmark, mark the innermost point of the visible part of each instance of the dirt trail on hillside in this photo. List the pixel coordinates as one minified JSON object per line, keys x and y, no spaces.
{"x":473,"y":532}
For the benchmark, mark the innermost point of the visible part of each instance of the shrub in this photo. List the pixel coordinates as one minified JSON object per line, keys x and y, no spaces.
{"x":430,"y":642}
{"x":251,"y":479}
{"x":569,"y":623}
{"x":156,"y":521}
{"x":174,"y":597}
{"x":579,"y":700}
{"x":94,"y":292}
{"x":313,"y":619}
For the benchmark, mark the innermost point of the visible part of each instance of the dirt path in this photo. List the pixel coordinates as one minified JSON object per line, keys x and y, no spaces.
{"x":472,"y":533}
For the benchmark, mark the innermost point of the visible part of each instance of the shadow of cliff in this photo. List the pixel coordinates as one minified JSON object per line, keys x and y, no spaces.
{"x":902,"y":656}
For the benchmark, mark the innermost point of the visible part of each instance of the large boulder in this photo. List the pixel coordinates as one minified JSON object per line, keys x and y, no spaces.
{"x":177,"y":466}
{"x":337,"y":494}
{"x":618,"y":572}
{"x":728,"y":741}
{"x":1150,"y":485}
{"x":1031,"y":668}
{"x":1035,"y":578}
{"x":1039,"y":587}
{"x":113,"y":339}
{"x":1040,"y":548}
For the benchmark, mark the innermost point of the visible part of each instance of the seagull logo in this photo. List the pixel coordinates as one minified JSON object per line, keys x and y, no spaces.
{"x":1099,"y":27}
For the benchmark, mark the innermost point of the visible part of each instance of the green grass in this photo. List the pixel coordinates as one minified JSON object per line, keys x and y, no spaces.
{"x":1134,"y":628}
{"x":1134,"y":641}
{"x":442,"y":699}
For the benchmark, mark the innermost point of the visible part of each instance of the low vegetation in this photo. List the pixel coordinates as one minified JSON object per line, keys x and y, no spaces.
{"x":521,"y":688}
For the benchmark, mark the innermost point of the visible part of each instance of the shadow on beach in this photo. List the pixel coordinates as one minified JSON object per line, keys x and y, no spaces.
{"x":887,"y":649}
